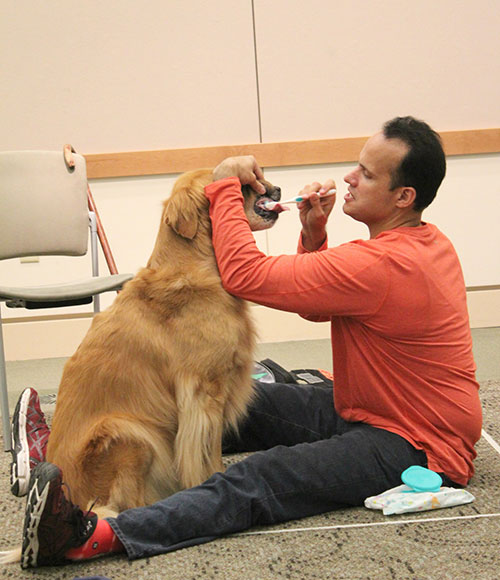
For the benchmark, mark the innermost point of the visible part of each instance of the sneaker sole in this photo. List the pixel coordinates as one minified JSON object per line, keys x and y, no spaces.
{"x":42,"y":476}
{"x":20,"y":465}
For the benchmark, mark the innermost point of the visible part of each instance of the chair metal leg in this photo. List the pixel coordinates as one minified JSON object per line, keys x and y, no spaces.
{"x":95,"y":257}
{"x":4,"y":396}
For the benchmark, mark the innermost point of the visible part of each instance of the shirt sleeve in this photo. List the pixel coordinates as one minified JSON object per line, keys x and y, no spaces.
{"x":346,"y":280}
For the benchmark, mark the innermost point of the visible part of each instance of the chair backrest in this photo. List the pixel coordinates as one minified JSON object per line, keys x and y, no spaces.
{"x":43,"y":205}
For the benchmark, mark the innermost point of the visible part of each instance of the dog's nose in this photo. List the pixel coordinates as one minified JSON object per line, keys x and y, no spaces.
{"x":275,"y":194}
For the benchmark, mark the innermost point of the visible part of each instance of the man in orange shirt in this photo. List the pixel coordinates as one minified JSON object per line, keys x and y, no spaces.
{"x":404,"y":386}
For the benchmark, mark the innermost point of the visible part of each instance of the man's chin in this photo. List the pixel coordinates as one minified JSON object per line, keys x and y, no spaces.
{"x":346,"y":208}
{"x":349,"y":209}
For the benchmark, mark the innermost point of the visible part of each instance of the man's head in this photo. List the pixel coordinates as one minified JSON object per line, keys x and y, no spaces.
{"x":399,"y":171}
{"x":424,"y":165}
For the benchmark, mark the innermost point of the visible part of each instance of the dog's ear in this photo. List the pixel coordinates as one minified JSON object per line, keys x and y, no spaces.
{"x":182,"y":209}
{"x":181,"y":215}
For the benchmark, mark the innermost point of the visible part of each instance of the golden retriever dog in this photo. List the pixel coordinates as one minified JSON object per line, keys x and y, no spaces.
{"x":163,"y":372}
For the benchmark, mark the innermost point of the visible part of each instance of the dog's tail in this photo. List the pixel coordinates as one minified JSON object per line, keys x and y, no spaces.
{"x":198,"y":444}
{"x":10,"y":556}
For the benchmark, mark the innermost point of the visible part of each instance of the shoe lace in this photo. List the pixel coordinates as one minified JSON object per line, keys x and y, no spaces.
{"x":80,"y":521}
{"x":92,"y":506}
{"x":83,"y":523}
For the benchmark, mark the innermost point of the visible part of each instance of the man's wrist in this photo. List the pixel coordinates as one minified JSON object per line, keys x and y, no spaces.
{"x":313,"y":243}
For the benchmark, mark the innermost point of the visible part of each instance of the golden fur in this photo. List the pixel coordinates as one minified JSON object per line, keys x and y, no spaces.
{"x":160,"y":375}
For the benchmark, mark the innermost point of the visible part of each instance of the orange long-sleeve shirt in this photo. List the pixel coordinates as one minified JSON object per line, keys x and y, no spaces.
{"x":402,"y":348}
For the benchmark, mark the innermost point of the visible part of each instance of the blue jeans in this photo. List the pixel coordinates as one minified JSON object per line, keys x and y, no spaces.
{"x":307,"y":461}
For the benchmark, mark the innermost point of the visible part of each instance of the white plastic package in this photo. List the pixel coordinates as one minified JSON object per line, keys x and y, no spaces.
{"x":403,"y":499}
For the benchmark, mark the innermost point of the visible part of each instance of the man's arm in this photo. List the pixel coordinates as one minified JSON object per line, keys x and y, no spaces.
{"x":319,"y":283}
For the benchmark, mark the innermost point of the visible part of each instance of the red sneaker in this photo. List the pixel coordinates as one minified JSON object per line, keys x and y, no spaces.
{"x":52,"y":524}
{"x":30,"y":435}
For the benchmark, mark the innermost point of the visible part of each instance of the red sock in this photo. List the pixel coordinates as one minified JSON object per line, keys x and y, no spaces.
{"x":102,"y":541}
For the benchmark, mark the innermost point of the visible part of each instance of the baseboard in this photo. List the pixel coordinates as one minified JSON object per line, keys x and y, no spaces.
{"x":484,"y":307}
{"x":51,"y":338}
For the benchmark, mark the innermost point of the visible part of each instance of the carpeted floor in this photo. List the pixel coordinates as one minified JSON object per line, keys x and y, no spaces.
{"x":454,"y":543}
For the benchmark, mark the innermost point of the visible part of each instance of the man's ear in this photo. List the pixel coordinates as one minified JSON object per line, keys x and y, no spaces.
{"x":406,"y":197}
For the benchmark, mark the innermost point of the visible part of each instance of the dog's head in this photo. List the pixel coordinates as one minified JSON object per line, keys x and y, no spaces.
{"x":186,"y":210}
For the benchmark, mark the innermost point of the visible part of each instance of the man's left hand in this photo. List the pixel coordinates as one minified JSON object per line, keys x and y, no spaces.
{"x":245,"y":168}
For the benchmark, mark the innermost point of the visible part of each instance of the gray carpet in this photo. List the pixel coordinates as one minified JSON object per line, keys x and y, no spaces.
{"x":455,"y":543}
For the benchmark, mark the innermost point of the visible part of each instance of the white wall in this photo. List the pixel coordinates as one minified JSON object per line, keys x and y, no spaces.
{"x":124,"y":75}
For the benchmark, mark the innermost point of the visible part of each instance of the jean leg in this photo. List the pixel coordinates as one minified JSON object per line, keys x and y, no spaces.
{"x":284,"y":414}
{"x":269,"y":487}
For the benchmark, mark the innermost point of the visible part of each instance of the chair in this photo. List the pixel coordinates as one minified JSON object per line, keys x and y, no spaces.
{"x":44,"y":210}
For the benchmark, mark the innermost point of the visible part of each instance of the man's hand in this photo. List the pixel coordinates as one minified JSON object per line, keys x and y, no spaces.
{"x":245,"y":168}
{"x":314,"y":212}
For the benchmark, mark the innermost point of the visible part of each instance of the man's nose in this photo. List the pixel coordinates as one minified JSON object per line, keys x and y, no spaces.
{"x":350,"y":177}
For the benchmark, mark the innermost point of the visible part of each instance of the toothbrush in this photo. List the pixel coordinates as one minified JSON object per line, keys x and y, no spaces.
{"x":270,"y":205}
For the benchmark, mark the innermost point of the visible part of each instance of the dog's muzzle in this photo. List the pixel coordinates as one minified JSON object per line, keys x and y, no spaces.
{"x":272,"y":194}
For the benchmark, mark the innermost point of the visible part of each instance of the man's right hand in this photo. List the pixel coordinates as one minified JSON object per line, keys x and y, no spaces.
{"x":314,"y":213}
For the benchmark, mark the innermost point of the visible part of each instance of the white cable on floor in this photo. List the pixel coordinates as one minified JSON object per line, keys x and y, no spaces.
{"x":369,"y":524}
{"x":491,"y":441}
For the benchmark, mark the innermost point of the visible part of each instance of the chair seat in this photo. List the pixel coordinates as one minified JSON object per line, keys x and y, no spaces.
{"x":67,"y":291}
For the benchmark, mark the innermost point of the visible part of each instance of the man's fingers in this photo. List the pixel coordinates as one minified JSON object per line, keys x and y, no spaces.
{"x":245,"y":168}
{"x":256,"y":169}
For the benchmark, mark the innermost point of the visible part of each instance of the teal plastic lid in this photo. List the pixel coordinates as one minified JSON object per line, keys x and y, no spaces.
{"x":262,"y":374}
{"x":421,"y":479}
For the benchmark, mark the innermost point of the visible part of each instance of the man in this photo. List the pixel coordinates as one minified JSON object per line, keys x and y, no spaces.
{"x":405,"y":391}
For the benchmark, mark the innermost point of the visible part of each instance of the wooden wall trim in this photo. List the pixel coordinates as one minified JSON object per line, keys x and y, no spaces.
{"x":285,"y":154}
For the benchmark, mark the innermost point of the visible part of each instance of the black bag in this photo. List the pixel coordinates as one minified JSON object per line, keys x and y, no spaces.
{"x":269,"y":371}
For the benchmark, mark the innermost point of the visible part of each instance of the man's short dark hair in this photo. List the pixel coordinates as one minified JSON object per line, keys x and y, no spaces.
{"x":424,"y":166}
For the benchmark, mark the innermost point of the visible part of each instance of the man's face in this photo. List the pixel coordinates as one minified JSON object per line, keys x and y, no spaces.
{"x":369,"y":198}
